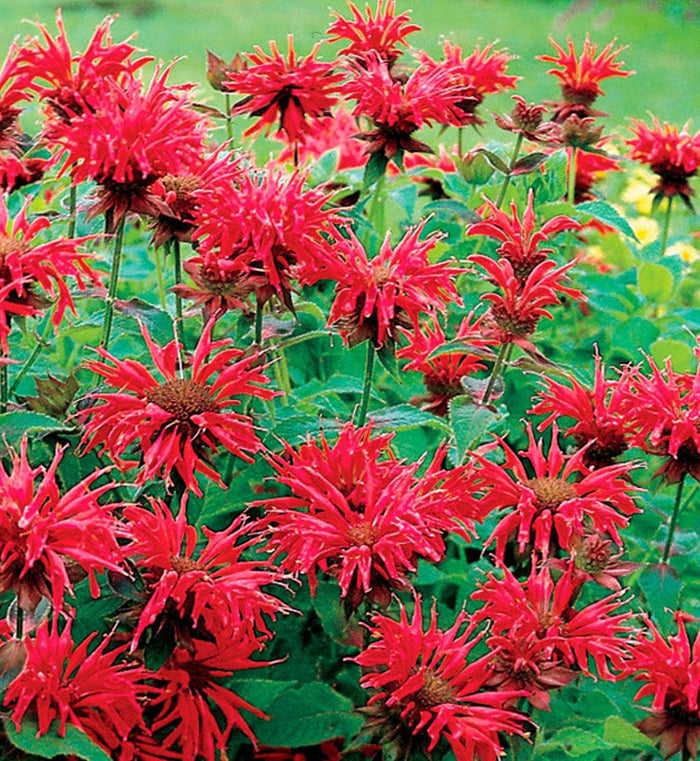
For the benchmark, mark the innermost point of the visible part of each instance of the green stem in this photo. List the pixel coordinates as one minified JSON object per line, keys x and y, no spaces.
{"x":229,"y":121}
{"x":667,"y":225}
{"x":113,"y":283}
{"x":460,"y":130}
{"x":511,"y":166}
{"x":161,"y":281}
{"x":258,"y":322}
{"x":29,"y":363}
{"x":674,"y":519}
{"x":282,"y":376}
{"x":367,"y":385}
{"x":4,"y":385}
{"x":497,"y":367}
{"x":376,"y":210}
{"x":177,"y":264}
{"x":571,"y":193}
{"x":72,"y":210}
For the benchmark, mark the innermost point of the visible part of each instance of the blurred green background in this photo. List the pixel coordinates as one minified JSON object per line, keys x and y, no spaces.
{"x":663,"y":37}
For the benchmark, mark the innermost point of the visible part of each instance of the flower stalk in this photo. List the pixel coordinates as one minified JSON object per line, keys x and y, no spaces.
{"x":673,"y":521}
{"x":113,"y":283}
{"x":503,"y":351}
{"x":511,"y":166}
{"x":367,"y":385}
{"x":32,"y":358}
{"x":667,"y":226}
{"x":177,"y":265}
{"x":571,"y":191}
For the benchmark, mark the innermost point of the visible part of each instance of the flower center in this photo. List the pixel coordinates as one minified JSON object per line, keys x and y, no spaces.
{"x":594,"y":555}
{"x":183,"y":565}
{"x":364,"y":534}
{"x":10,"y":246}
{"x":435,"y":691}
{"x":183,"y":398}
{"x":183,"y":185}
{"x":381,"y":274}
{"x":551,"y":492}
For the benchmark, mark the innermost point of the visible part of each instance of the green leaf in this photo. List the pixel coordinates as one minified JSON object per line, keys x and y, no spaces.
{"x":285,"y":343}
{"x":387,"y":357}
{"x":622,"y":734}
{"x":661,"y":587}
{"x":403,"y":417}
{"x":474,"y":168}
{"x":470,"y":422}
{"x":604,"y":212}
{"x":50,"y":745}
{"x":14,"y":425}
{"x":307,"y":715}
{"x":680,"y":354}
{"x":374,"y":170}
{"x":495,"y":160}
{"x":158,"y":323}
{"x":655,"y":282}
{"x":529,"y":163}
{"x":574,"y":741}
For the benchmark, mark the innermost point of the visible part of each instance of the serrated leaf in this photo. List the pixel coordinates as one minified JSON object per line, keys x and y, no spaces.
{"x":574,"y":741}
{"x":14,"y":425}
{"x":529,"y":163}
{"x":470,"y":422}
{"x":50,"y":745}
{"x":158,"y":322}
{"x":307,"y":715}
{"x":604,"y":212}
{"x":622,"y":734}
{"x":661,"y":587}
{"x":403,"y":417}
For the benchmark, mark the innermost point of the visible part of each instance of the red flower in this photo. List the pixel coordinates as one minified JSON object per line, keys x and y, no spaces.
{"x":15,"y":173}
{"x":381,"y":34}
{"x":268,"y":227}
{"x":134,"y":136}
{"x":194,"y":593}
{"x":11,"y":93}
{"x":549,"y":502}
{"x":580,"y":76}
{"x":291,"y":90}
{"x":177,"y":423}
{"x":425,"y":688}
{"x":473,"y":77}
{"x":26,"y":268}
{"x":375,"y":297}
{"x":672,"y":154}
{"x":85,"y":687}
{"x":670,"y":669}
{"x":68,"y":82}
{"x":591,"y":168}
{"x":443,"y":374}
{"x":359,"y":515}
{"x":514,"y":314}
{"x":542,"y":607}
{"x":521,"y":238}
{"x":44,"y":536}
{"x":602,"y":425}
{"x":398,"y":108}
{"x":191,"y":697}
{"x":664,"y":409}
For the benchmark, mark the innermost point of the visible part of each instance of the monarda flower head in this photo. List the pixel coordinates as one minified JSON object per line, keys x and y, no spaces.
{"x":67,"y":82}
{"x":357,"y":514}
{"x":521,"y":238}
{"x":269,"y":227}
{"x":472,"y":78}
{"x":376,"y":297}
{"x":89,"y":688}
{"x":46,"y":536}
{"x":426,"y":686}
{"x":549,"y":510}
{"x":600,"y":631}
{"x":291,"y":90}
{"x":526,"y":119}
{"x":580,"y":76}
{"x":602,"y":428}
{"x":32,"y":276}
{"x":381,"y":34}
{"x":664,"y":410}
{"x":177,"y":424}
{"x":672,"y":154}
{"x":136,"y":135}
{"x":669,"y":669}
{"x":190,"y":592}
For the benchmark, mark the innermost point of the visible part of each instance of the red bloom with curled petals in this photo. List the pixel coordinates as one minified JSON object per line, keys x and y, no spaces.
{"x":672,"y":154}
{"x":190,"y":592}
{"x":45,"y":535}
{"x":69,"y":684}
{"x":178,"y":423}
{"x":359,"y":515}
{"x":443,"y":374}
{"x":664,"y":410}
{"x":381,"y":34}
{"x":516,"y":310}
{"x":26,"y":270}
{"x":670,"y":670}
{"x":268,"y":227}
{"x":375,"y":297}
{"x":290,"y":90}
{"x":545,"y":608}
{"x":136,"y":135}
{"x":580,"y":76}
{"x":521,"y":238}
{"x":71,"y":82}
{"x":472,"y":77}
{"x":548,"y":509}
{"x":602,"y":425}
{"x":192,"y":697}
{"x":426,"y":687}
